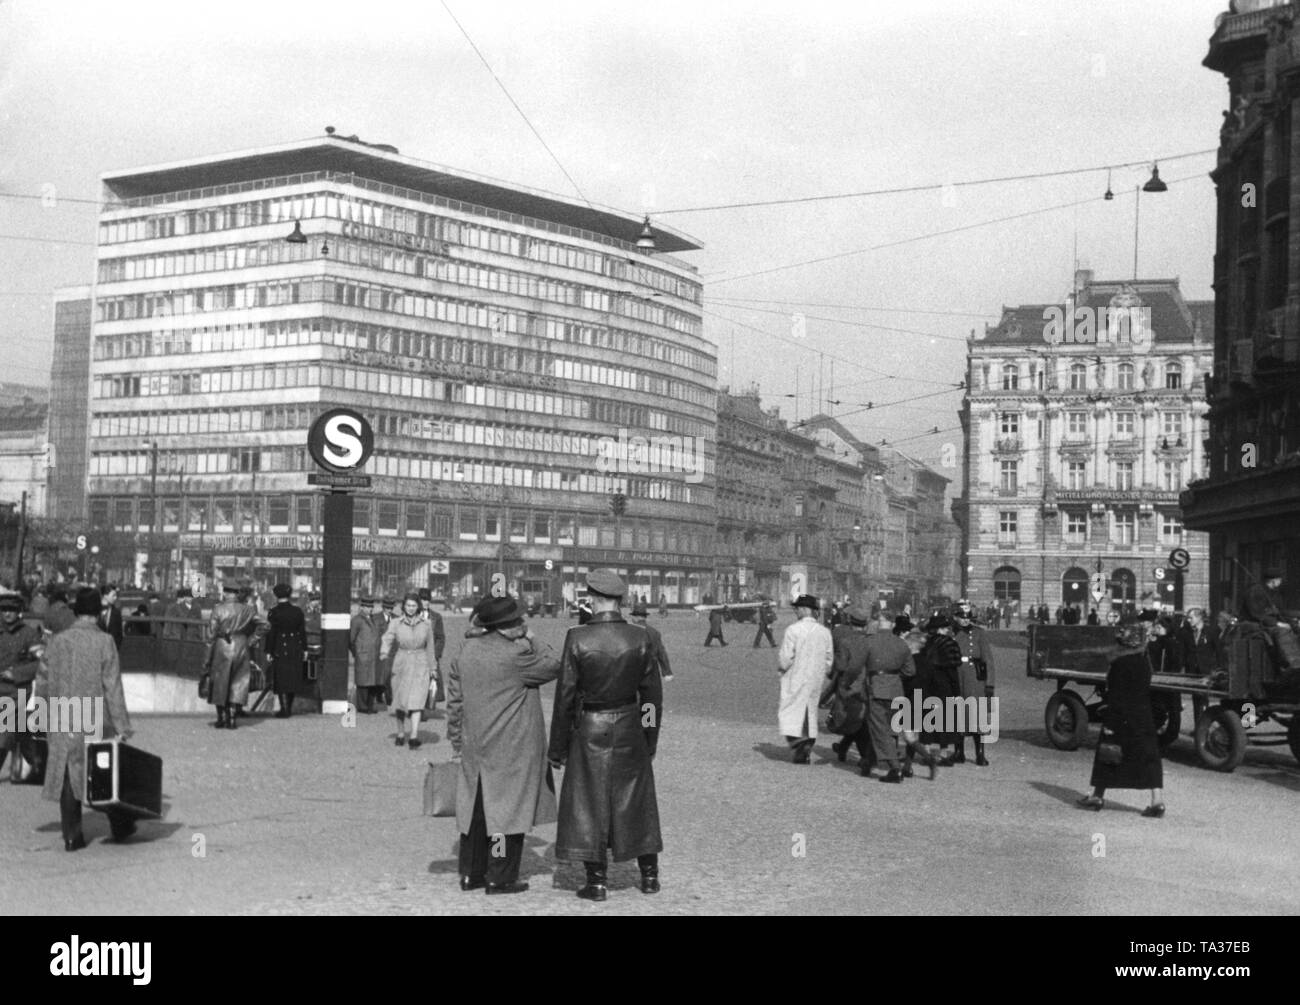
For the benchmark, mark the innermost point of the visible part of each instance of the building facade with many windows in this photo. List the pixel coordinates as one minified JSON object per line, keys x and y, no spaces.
{"x":519,"y":358}
{"x":1078,"y":440}
{"x":1249,"y":499}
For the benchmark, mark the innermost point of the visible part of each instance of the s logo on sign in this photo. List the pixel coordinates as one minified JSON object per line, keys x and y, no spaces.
{"x":341,"y":440}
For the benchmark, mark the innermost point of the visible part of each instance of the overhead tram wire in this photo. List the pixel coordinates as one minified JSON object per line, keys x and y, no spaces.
{"x":44,"y":240}
{"x":801,"y":345}
{"x":855,"y":307}
{"x":934,"y":186}
{"x":855,"y":324}
{"x":938,"y":233}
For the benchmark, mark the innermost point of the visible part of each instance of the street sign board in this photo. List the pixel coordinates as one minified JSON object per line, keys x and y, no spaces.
{"x":1098,"y":584}
{"x":439,"y":567}
{"x":338,"y":481}
{"x":81,"y":542}
{"x":340,"y":440}
{"x":1179,"y":559}
{"x":549,"y":565}
{"x":1098,"y":594}
{"x":1160,"y":573}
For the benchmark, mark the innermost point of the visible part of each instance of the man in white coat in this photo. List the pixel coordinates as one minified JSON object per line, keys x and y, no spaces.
{"x":806,"y":654}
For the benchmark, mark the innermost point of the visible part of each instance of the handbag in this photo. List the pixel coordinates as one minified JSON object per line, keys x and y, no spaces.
{"x":28,"y":765}
{"x":256,"y":677}
{"x":846,"y":716}
{"x":433,"y":696}
{"x":205,"y":687}
{"x":548,"y":809}
{"x":440,"y":783}
{"x":1109,"y":752}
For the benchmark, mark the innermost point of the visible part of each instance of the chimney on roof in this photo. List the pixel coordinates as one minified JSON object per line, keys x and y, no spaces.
{"x":1082,"y":279}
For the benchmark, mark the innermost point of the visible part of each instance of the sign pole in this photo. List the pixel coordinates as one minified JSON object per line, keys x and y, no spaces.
{"x":336,"y":590}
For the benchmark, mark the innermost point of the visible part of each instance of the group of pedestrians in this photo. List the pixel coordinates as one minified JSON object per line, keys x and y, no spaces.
{"x":863,"y":667}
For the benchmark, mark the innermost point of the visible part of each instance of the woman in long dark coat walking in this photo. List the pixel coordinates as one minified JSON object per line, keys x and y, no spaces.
{"x":1126,"y":716}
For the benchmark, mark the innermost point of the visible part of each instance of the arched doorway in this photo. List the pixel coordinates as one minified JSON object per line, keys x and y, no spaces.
{"x":1074,"y":588}
{"x":1123,"y":590}
{"x":1006,"y":584}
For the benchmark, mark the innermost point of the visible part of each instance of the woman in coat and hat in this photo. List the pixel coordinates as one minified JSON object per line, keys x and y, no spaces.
{"x":1126,"y":715}
{"x":81,"y":664}
{"x":495,"y":725}
{"x":942,"y":657}
{"x":414,"y":667}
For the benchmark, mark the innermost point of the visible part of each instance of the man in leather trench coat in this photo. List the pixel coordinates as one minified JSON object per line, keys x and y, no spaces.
{"x":605,"y":724}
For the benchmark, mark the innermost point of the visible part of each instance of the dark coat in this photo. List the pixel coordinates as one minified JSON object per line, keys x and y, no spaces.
{"x":1165,"y":653}
{"x":658,"y":651}
{"x":18,"y":668}
{"x":608,"y":798}
{"x":286,"y":645}
{"x":80,"y":663}
{"x":846,"y":675}
{"x":494,"y":721}
{"x":889,"y":667}
{"x":110,"y":621}
{"x":1127,"y":717}
{"x":232,"y":626}
{"x":943,"y":661}
{"x":975,"y":650}
{"x":1201,"y":652}
{"x":58,"y":616}
{"x":367,"y":630}
{"x":1263,"y":605}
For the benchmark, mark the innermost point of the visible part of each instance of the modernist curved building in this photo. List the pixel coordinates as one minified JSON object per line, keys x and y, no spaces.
{"x":520,"y":360}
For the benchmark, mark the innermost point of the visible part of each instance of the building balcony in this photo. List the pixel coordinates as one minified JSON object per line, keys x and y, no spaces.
{"x":1008,"y":445}
{"x":1231,"y":31}
{"x":1269,"y":494}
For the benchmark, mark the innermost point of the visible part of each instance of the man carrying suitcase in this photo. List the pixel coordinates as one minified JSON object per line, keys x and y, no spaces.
{"x":81,"y":666}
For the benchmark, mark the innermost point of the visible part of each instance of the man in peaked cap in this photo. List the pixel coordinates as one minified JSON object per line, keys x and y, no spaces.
{"x":286,"y":647}
{"x":805,"y":656}
{"x":605,"y":727}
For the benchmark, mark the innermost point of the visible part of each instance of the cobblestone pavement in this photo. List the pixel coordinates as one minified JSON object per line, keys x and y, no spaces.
{"x":309,"y":817}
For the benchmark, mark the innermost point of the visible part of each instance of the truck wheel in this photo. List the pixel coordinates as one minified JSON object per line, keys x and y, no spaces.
{"x":1167,"y":710}
{"x":1293,"y":736}
{"x":1220,"y":739}
{"x":1066,"y":719}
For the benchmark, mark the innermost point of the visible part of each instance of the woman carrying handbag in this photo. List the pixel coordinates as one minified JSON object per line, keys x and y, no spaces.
{"x":414,"y":668}
{"x":1128,"y":752}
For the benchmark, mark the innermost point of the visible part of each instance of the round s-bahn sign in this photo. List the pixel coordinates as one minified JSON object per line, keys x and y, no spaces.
{"x":340,"y":440}
{"x":1179,"y":559}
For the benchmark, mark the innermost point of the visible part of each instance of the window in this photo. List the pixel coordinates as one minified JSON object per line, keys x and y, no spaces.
{"x":1171,"y":423}
{"x":1124,"y":475}
{"x":122,"y":515}
{"x":361,"y":516}
{"x":1008,"y":476}
{"x":1125,"y":377}
{"x":1173,"y":375}
{"x":250,"y":514}
{"x":491,"y":526}
{"x":468,"y":523}
{"x":196,"y":514}
{"x":1076,"y":424}
{"x":171,"y":515}
{"x":440,"y":523}
{"x":518,"y":527}
{"x":146,"y":515}
{"x":1078,"y":377}
{"x":1076,"y":526}
{"x":303,"y":505}
{"x":1010,"y":377}
{"x":277,"y":515}
{"x":417,"y":515}
{"x":1007,"y":527}
{"x":223,"y":514}
{"x":541,"y":528}
{"x":1076,"y":475}
{"x":1010,"y":425}
{"x":99,"y":514}
{"x":388,"y":513}
{"x":1124,"y":527}
{"x":1171,"y":528}
{"x":1125,"y":423}
{"x":1006,"y":584}
{"x":1172,"y":475}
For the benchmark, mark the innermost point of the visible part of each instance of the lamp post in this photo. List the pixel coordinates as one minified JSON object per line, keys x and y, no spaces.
{"x":153,"y":497}
{"x":1152,"y":185}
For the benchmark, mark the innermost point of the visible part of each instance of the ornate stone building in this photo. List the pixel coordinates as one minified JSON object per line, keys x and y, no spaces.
{"x":1076,"y":451}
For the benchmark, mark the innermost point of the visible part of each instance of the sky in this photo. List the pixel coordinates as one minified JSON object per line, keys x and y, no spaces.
{"x":655,"y":108}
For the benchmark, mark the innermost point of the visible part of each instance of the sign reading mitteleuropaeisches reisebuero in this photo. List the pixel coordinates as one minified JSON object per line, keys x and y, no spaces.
{"x":340,"y":441}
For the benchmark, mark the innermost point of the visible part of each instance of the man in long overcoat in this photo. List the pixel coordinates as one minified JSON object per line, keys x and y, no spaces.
{"x":605,"y":726}
{"x":640,"y":613}
{"x":286,"y":646}
{"x":231,"y":626}
{"x":887,"y":665}
{"x":81,"y":663}
{"x":366,"y":632}
{"x":495,"y":725}
{"x":849,"y":646}
{"x":805,"y":656}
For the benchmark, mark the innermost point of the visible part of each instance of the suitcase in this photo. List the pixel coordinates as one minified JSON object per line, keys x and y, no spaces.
{"x":122,"y":777}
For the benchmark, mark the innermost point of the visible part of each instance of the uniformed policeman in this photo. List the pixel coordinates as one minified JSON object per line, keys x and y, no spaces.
{"x":976,"y":674}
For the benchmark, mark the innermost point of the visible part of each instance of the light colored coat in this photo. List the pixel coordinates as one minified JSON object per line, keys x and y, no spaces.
{"x":806,"y":654}
{"x":80,"y":662}
{"x":494,"y":721}
{"x":415,"y":663}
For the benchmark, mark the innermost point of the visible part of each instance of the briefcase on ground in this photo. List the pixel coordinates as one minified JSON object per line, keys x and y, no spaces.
{"x":440,"y":783}
{"x":122,"y":777}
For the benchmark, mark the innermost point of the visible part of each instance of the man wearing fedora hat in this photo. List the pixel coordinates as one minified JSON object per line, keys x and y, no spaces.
{"x":365,"y":632}
{"x":806,"y":655}
{"x":640,"y":614}
{"x":605,"y":727}
{"x":286,"y":646}
{"x":497,"y":733}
